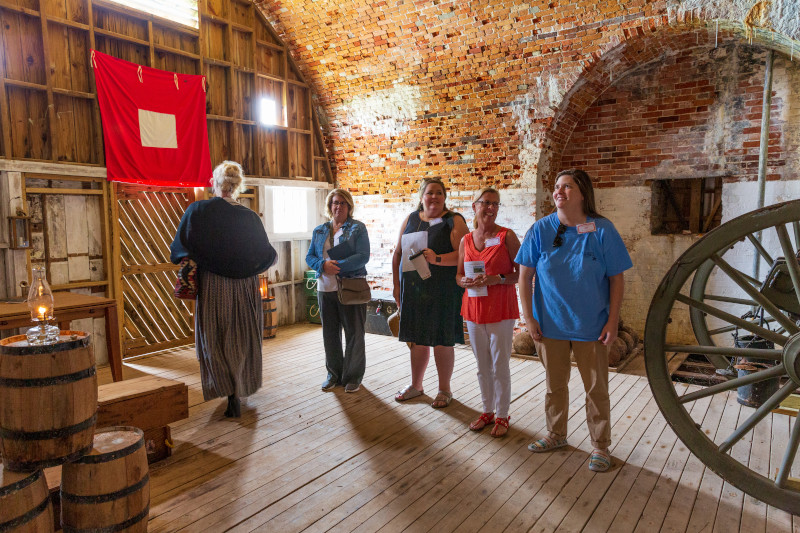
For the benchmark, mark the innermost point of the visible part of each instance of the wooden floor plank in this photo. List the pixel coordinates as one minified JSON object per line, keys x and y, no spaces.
{"x":704,"y":512}
{"x":300,"y":459}
{"x":683,"y":501}
{"x":569,"y":495}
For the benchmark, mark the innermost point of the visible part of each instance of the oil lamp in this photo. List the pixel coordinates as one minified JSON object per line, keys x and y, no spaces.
{"x":263,"y":286}
{"x":40,"y":303}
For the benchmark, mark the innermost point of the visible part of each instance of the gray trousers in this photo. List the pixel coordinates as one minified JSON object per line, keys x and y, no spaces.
{"x":346,"y":366}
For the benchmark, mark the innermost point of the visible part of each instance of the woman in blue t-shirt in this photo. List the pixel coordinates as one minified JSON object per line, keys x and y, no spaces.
{"x":578,"y":259}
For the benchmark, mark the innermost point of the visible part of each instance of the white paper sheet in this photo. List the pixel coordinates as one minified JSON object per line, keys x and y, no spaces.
{"x":471,"y":270}
{"x":416,"y":241}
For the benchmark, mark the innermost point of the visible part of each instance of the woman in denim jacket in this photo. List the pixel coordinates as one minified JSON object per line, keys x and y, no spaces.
{"x":344,"y":255}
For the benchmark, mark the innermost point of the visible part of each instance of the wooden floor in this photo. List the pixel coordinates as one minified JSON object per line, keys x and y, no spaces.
{"x":301,"y":459}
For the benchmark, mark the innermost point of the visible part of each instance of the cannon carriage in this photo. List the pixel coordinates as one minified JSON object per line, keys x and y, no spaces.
{"x":731,"y":297}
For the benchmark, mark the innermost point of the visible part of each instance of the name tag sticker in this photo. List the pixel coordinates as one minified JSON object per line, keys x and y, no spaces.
{"x":435,"y":221}
{"x":589,"y":227}
{"x":494,"y":241}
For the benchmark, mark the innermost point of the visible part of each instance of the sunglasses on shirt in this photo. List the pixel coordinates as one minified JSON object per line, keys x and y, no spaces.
{"x":559,"y":240}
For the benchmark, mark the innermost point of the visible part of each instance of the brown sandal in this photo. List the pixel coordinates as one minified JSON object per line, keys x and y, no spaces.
{"x":442,"y":399}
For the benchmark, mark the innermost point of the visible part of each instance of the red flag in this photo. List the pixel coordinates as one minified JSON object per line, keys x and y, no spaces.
{"x":154,"y":124}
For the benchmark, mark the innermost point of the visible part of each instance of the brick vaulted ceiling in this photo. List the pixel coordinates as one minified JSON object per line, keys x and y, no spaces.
{"x":479,"y":92}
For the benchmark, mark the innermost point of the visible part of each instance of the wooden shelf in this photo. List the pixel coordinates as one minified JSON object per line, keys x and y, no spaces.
{"x":18,"y":9}
{"x":241,"y":28}
{"x":217,"y":62}
{"x":221,"y":118}
{"x":270,"y":77}
{"x":298,"y":83}
{"x":68,"y":23}
{"x":267,"y":44}
{"x":74,"y":94}
{"x":121,"y":37}
{"x":214,"y":18}
{"x":176,"y":51}
{"x":25,"y":84}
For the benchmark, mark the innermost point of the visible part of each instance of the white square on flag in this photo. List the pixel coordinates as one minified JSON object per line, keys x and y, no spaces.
{"x":157,"y":130}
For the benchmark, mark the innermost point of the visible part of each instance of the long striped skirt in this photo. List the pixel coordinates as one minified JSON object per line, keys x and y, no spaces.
{"x":228,"y":322}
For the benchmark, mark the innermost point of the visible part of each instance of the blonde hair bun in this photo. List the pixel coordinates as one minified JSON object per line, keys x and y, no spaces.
{"x":227,"y":178}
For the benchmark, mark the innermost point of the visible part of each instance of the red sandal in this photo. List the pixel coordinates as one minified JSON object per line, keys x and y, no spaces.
{"x":498,"y":423}
{"x":482,"y":421}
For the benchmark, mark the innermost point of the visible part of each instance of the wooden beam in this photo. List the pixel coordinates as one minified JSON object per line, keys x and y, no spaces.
{"x":76,"y":192}
{"x":67,"y":169}
{"x":695,"y":204}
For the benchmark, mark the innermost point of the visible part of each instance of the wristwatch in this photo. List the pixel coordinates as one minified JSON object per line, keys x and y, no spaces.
{"x":502,"y":278}
{"x":438,"y":258}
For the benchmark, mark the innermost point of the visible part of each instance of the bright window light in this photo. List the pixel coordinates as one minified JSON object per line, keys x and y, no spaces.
{"x":290,"y":210}
{"x":269,"y":112}
{"x":180,"y":11}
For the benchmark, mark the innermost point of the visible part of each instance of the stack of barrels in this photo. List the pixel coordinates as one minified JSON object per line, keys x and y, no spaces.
{"x":48,"y":410}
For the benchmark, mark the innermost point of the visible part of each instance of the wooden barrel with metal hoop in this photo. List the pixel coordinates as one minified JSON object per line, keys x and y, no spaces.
{"x":109,"y":488}
{"x":24,"y":502}
{"x":49,"y":395}
{"x":270,"y":316}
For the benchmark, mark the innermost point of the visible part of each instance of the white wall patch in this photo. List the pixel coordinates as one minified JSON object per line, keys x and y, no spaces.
{"x":157,"y":130}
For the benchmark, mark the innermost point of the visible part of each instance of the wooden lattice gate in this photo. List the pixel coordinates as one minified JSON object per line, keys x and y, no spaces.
{"x":146,"y":221}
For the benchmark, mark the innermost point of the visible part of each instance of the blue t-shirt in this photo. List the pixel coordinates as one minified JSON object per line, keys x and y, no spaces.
{"x":571,"y":293}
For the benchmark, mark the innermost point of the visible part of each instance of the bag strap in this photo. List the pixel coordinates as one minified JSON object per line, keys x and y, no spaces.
{"x":330,"y":232}
{"x":330,"y":239}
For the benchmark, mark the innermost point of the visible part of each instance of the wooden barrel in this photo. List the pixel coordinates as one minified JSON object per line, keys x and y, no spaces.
{"x":270,"y":317}
{"x":49,"y":399}
{"x":108,"y":489}
{"x":24,"y":502}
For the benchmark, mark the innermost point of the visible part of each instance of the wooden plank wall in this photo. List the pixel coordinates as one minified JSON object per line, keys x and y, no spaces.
{"x":69,"y":233}
{"x":48,"y":108}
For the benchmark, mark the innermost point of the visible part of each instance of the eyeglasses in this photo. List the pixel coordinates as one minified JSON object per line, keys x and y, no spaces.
{"x":338,"y":203}
{"x":488,"y":204}
{"x":559,"y":240}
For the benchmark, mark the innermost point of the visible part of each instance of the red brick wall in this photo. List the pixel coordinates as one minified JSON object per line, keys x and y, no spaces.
{"x":481,"y":92}
{"x":694,"y":114}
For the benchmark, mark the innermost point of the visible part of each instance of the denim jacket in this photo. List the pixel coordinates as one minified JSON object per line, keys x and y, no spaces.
{"x":354,"y":233}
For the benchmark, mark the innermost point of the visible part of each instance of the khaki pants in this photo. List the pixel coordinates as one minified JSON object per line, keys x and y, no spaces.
{"x":592,"y":360}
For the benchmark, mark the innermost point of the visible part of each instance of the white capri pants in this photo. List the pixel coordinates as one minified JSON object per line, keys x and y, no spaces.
{"x":491,"y":344}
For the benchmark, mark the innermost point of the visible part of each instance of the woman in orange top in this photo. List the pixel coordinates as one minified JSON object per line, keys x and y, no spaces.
{"x":491,"y":310}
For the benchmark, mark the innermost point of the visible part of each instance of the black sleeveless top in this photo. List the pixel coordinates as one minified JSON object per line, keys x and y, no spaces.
{"x":431,"y":308}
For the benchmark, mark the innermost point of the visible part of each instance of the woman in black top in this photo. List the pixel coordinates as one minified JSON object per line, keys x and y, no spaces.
{"x":430,"y":309}
{"x":230,"y":246}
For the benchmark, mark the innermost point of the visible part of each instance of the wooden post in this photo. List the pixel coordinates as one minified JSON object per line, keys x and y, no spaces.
{"x":766,"y":105}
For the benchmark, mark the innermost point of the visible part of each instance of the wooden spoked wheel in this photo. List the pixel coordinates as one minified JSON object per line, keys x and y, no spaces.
{"x":722,"y":292}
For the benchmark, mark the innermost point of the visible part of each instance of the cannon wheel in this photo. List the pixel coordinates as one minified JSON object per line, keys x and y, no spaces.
{"x":701,"y":289}
{"x":675,"y":401}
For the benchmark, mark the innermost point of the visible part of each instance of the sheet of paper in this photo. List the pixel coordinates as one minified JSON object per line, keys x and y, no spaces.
{"x":471,"y":270}
{"x":416,"y":241}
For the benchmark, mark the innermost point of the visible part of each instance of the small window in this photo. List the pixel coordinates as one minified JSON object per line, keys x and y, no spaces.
{"x":268,"y":112}
{"x":180,"y":11}
{"x":685,"y":205}
{"x":290,"y":210}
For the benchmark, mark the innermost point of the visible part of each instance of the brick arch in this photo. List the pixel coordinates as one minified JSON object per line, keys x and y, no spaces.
{"x":640,"y":47}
